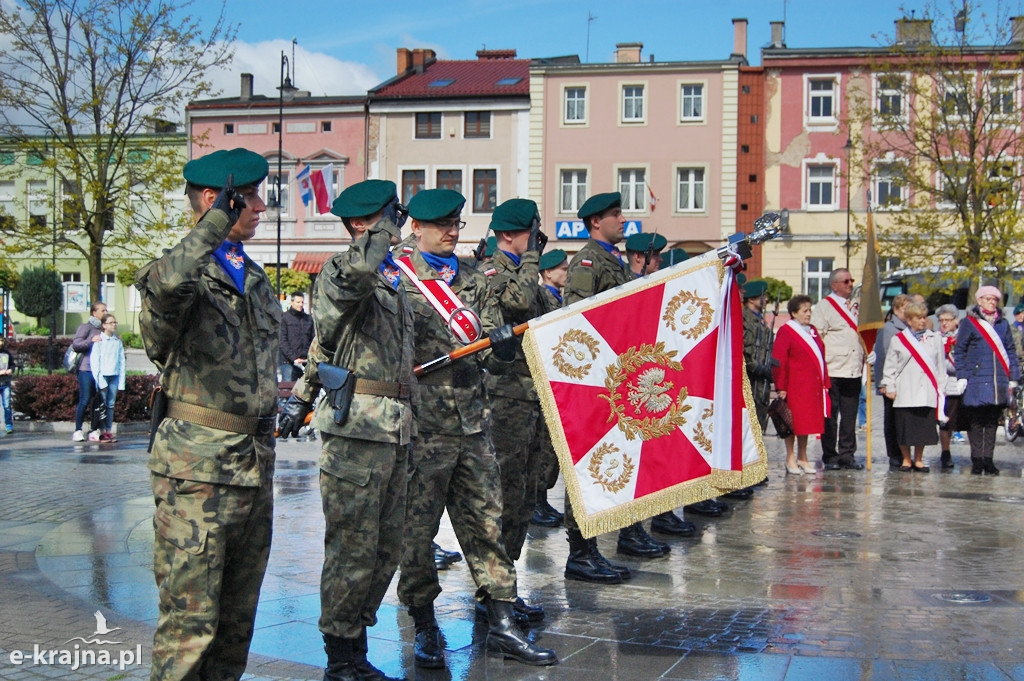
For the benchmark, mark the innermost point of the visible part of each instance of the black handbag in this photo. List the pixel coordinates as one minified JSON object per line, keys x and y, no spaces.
{"x":340,"y":384}
{"x":781,"y":416}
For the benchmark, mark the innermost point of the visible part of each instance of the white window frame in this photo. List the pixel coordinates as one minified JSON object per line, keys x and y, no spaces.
{"x":34,"y":198}
{"x":641,"y":189}
{"x":108,"y":288}
{"x":946,"y":88}
{"x":8,"y":198}
{"x":636,"y":120}
{"x":1013,"y":180}
{"x":805,"y":190}
{"x":565,"y":104}
{"x":470,"y":185}
{"x":940,"y":186}
{"x":832,"y":120}
{"x":677,"y":169}
{"x":1003,"y":117}
{"x":880,"y":91}
{"x":818,"y":276}
{"x":703,"y":85}
{"x":559,"y":173}
{"x":881,"y":173}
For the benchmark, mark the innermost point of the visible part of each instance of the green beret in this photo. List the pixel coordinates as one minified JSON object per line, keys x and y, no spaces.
{"x":211,"y":171}
{"x":514,"y":215}
{"x":491,"y":247}
{"x":434,"y":204}
{"x":598,"y":203}
{"x":364,"y":198}
{"x":1018,"y":309}
{"x":552,"y":259}
{"x":639,"y":242}
{"x":754,"y":289}
{"x":673,"y":257}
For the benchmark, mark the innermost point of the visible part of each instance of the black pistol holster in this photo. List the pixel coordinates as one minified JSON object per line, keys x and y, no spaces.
{"x":340,"y":384}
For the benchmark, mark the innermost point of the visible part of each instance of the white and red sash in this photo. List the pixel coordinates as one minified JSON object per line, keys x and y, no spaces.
{"x":462,"y":321}
{"x":916,"y":349}
{"x":988,"y":332}
{"x":843,"y":312}
{"x":813,"y":345}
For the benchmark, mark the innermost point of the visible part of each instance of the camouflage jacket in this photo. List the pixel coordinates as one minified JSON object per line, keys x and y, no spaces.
{"x":603,"y":272}
{"x":216,"y":348}
{"x":757,"y":349}
{"x":547,"y":300}
{"x":451,"y":398}
{"x":516,"y":289}
{"x":364,"y":325}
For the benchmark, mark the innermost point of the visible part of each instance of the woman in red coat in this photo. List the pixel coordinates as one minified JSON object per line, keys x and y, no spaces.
{"x":801,"y":379}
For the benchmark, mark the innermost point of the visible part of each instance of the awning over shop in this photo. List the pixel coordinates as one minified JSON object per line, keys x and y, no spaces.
{"x":310,"y":262}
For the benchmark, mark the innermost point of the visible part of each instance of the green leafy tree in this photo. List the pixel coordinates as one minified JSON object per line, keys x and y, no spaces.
{"x":291,"y":280}
{"x":39,"y":293}
{"x":937,"y":132}
{"x":87,"y":102}
{"x":777,"y":290}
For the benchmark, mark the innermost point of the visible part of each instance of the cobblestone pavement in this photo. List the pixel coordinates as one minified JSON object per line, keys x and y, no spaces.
{"x":841,"y":575}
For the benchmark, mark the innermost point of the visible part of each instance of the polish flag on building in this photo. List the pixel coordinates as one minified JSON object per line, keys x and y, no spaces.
{"x":644,"y":391}
{"x":653,"y":198}
{"x":323,"y":188}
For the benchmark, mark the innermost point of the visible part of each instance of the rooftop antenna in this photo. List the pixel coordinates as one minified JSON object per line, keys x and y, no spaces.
{"x":295,"y":41}
{"x":590,"y":18}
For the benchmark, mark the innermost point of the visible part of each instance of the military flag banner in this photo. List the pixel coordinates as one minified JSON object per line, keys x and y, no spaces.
{"x":645,"y":395}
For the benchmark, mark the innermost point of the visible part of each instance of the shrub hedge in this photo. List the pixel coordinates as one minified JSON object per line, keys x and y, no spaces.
{"x":33,"y":349}
{"x":54,"y":397}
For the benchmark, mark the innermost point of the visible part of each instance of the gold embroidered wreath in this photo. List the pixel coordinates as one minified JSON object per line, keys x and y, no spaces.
{"x":648,"y":392}
{"x":697,"y":304}
{"x":600,"y":477}
{"x":567,"y":345}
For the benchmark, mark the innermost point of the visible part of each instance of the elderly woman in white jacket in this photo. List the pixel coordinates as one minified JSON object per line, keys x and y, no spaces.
{"x":914,"y":379}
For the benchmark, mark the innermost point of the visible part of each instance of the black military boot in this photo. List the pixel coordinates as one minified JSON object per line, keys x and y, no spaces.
{"x":990,"y":468}
{"x":669,"y":523}
{"x":532,"y":613}
{"x":364,"y":670}
{"x":621,"y":570}
{"x":707,"y":507}
{"x":582,"y":563}
{"x":544,"y":514}
{"x":634,"y":541}
{"x":947,"y":459}
{"x":522,"y":619}
{"x":977,"y":467}
{"x":442,"y":558}
{"x":429,"y":649}
{"x":505,"y":638}
{"x":340,"y":659}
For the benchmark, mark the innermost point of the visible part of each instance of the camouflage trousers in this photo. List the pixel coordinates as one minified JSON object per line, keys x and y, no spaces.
{"x":209,"y":557}
{"x":362,"y":487}
{"x":460,"y":473}
{"x":518,"y":461}
{"x":547,"y":460}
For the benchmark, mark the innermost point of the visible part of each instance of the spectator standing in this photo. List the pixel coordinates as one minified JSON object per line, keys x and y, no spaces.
{"x":296,"y":335}
{"x":6,"y":369}
{"x":987,"y":368}
{"x":949,"y":322}
{"x":107,"y":363}
{"x":835,"y":318}
{"x":1017,"y":329}
{"x":893,"y":325}
{"x":914,"y":380}
{"x":87,"y":333}
{"x":802,"y":380}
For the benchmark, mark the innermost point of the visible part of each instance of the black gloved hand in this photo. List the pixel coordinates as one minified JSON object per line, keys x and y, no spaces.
{"x":504,"y":343}
{"x":293,"y":417}
{"x":763,"y":371}
{"x":538,"y":239}
{"x":230,"y":201}
{"x":396,"y":212}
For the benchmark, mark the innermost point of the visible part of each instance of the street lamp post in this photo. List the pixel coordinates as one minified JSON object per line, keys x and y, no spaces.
{"x":848,"y":148}
{"x":285,"y":89}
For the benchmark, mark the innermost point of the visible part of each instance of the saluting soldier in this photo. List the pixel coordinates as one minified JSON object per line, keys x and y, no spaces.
{"x":453,"y":458}
{"x":597,"y":267}
{"x":210,"y":324}
{"x":364,"y":325}
{"x":554,"y":268}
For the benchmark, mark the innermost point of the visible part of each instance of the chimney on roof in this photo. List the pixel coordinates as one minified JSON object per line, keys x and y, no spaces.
{"x":913,"y":31}
{"x":1017,"y":30}
{"x":628,"y":53}
{"x":246,"y":93}
{"x":404,"y":60}
{"x":739,"y":38}
{"x":778,"y":33}
{"x":495,"y":54}
{"x":421,"y":58}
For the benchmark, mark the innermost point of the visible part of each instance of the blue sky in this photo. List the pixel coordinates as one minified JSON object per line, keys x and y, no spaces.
{"x":345,"y":47}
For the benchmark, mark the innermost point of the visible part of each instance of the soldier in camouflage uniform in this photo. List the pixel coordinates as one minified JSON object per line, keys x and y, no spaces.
{"x":512,"y":277}
{"x":210,"y":323}
{"x":553,"y":268}
{"x":453,"y":459}
{"x":363,"y":323}
{"x":757,"y":348}
{"x":598,"y":267}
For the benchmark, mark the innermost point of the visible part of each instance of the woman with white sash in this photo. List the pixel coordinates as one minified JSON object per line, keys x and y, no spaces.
{"x":801,"y":379}
{"x":914,"y":378}
{"x":987,"y":368}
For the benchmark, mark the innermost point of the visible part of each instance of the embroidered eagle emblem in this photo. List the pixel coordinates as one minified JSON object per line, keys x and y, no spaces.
{"x":648,"y":392}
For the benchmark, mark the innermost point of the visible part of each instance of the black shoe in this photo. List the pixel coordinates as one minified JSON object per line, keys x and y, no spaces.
{"x":428,"y":647}
{"x":551,"y":509}
{"x":832,"y":466}
{"x":364,"y":670}
{"x":532,"y":613}
{"x":744,"y":493}
{"x":521,"y":619}
{"x":504,"y":637}
{"x":977,"y":467}
{"x":851,"y":466}
{"x":990,"y":468}
{"x":894,"y":465}
{"x":340,"y":659}
{"x":707,"y":507}
{"x":543,"y":517}
{"x":634,"y":541}
{"x":921,"y":469}
{"x":442,"y":558}
{"x":586,"y":564}
{"x":947,"y":460}
{"x":621,"y":570}
{"x":669,"y":523}
{"x":762,"y":483}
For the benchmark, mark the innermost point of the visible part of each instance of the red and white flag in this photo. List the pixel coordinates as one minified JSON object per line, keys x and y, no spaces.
{"x":323,"y":188}
{"x":653,"y":198}
{"x":644,"y":391}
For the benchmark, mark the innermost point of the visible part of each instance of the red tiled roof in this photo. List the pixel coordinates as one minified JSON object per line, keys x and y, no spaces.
{"x":469,"y":79}
{"x":311,"y":262}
